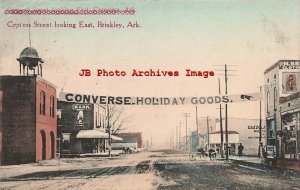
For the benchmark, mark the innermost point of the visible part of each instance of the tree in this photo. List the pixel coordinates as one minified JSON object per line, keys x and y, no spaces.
{"x":117,"y":119}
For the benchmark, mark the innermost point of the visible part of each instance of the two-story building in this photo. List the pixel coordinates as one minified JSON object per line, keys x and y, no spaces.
{"x":27,"y":114}
{"x":282,"y":107}
{"x":81,"y":128}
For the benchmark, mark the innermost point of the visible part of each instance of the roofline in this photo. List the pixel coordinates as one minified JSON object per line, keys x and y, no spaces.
{"x":277,"y":64}
{"x":272,"y":67}
{"x":38,"y":78}
{"x":45,"y":81}
{"x":229,"y":132}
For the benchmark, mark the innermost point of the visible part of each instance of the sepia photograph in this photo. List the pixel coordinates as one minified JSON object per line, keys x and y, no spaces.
{"x":149,"y":95}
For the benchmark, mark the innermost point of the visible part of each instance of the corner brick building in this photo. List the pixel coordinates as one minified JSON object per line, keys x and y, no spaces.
{"x":27,"y":114}
{"x":28,"y":119}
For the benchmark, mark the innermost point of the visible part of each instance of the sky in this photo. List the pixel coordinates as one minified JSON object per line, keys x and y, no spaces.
{"x":248,"y":36}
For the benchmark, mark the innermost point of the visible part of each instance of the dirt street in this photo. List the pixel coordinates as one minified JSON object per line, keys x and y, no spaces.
{"x":166,"y":169}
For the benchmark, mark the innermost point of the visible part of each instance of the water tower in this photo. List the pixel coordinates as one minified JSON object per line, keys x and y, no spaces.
{"x":30,"y":60}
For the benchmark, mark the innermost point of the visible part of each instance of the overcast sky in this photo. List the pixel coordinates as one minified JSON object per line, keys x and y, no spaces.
{"x":197,"y":35}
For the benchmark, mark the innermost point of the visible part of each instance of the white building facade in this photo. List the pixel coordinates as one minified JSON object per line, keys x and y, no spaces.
{"x":282,"y":109}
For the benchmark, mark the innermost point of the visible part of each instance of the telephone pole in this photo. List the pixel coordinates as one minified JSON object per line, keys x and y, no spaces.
{"x":207,"y":125}
{"x":260,"y":143}
{"x":179,"y":134}
{"x":151,"y":141}
{"x":226,"y":107}
{"x":197,"y":127}
{"x":109,"y":135}
{"x":177,"y":137}
{"x":221,"y":124}
{"x":226,"y":116}
{"x":172,"y":140}
{"x":186,"y":115}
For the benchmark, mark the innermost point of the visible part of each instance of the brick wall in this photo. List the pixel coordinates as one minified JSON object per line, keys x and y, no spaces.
{"x":137,"y":135}
{"x":18,"y":119}
{"x":21,"y":121}
{"x":45,"y":122}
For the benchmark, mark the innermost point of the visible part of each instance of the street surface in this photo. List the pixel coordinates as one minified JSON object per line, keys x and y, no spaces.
{"x":160,"y":169}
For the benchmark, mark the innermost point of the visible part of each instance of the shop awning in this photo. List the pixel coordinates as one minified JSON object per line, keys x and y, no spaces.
{"x":116,"y":138}
{"x":91,"y":134}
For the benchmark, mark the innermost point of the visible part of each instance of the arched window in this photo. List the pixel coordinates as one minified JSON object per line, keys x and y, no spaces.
{"x":52,"y":145}
{"x":275,"y":98}
{"x":43,"y":135}
{"x":268,"y":101}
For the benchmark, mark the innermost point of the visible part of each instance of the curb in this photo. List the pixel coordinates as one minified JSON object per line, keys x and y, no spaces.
{"x":268,"y":168}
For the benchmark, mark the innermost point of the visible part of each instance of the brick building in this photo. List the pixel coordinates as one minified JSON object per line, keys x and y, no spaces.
{"x":27,"y":119}
{"x":136,"y":135}
{"x":27,"y":113}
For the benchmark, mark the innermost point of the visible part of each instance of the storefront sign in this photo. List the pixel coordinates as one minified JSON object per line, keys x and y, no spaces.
{"x":81,"y":107}
{"x":118,"y":100}
{"x":254,"y":131}
{"x":289,"y":64}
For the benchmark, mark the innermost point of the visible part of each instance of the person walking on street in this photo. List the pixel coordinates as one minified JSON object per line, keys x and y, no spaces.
{"x":240,"y":149}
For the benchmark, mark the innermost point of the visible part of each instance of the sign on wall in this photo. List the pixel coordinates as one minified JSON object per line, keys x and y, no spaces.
{"x":289,"y":82}
{"x":289,"y":75}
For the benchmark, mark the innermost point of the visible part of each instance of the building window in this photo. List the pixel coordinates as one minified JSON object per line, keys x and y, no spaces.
{"x":51,"y":106}
{"x":103,"y":123}
{"x":96,"y":116}
{"x":274,"y":76}
{"x":268,"y":100}
{"x":275,"y":98}
{"x":100,"y":121}
{"x":42,"y":103}
{"x":65,"y":144}
{"x":58,"y":113}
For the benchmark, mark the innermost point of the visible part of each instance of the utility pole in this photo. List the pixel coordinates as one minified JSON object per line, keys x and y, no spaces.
{"x":226,"y":106}
{"x":109,"y":135}
{"x":226,"y":116}
{"x":186,"y":115}
{"x":260,"y":143}
{"x":172,"y":140}
{"x":207,"y":125}
{"x":151,"y":141}
{"x":176,"y":137}
{"x":221,"y":124}
{"x":179,"y":133}
{"x":197,"y":127}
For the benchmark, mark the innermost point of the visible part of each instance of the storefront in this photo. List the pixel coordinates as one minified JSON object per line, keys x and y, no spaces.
{"x":92,"y":141}
{"x":271,"y":137}
{"x":282,"y":107}
{"x":81,"y":128}
{"x":289,"y":135}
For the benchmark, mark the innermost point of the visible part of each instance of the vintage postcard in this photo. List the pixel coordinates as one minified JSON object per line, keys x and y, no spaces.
{"x":153,"y":94}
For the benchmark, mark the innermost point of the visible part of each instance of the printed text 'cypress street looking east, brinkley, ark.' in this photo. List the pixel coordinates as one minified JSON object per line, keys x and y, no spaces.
{"x":100,"y":24}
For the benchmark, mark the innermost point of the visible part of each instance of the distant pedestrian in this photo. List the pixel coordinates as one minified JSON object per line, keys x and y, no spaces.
{"x":212,"y":154}
{"x":240,"y":149}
